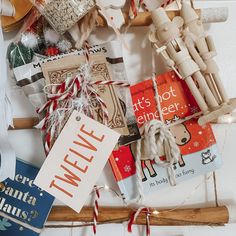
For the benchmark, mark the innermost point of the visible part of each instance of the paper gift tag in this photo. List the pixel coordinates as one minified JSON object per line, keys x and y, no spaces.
{"x":76,"y":160}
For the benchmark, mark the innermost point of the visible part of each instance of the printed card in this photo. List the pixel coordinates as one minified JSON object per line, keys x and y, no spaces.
{"x":24,"y":207}
{"x":76,"y":160}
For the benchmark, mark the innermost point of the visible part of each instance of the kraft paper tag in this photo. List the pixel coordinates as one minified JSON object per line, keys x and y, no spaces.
{"x":76,"y":160}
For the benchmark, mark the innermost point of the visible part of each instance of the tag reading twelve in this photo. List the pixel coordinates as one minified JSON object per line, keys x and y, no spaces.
{"x":76,"y":160}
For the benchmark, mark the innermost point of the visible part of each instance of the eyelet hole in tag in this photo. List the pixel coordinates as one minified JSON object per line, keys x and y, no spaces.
{"x":78,"y":118}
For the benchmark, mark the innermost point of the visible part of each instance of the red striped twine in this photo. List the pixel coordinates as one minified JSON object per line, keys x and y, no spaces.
{"x":134,"y":8}
{"x":52,"y":105}
{"x":95,"y":211}
{"x":135,"y":215}
{"x":86,"y":50}
{"x":136,"y":4}
{"x":166,"y":3}
{"x":60,"y":93}
{"x":116,"y":83}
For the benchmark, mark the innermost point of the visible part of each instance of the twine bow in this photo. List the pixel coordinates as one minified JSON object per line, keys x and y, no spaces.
{"x":75,"y":93}
{"x":157,"y":137}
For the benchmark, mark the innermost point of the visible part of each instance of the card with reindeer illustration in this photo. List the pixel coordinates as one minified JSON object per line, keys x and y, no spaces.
{"x":197,"y":144}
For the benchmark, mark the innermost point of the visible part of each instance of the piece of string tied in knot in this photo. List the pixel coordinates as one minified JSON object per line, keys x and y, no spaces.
{"x":156,"y":138}
{"x":58,"y":106}
{"x":134,"y":216}
{"x":78,"y":92}
{"x":158,"y":142}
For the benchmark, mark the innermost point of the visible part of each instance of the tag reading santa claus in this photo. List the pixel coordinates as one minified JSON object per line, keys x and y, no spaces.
{"x":76,"y":160}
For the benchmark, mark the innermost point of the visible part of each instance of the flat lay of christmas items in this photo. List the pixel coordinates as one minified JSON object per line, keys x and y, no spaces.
{"x":92,"y":118}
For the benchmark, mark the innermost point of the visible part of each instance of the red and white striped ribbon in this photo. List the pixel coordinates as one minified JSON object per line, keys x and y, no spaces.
{"x":95,"y":210}
{"x":116,"y":83}
{"x":134,"y":8}
{"x":166,"y":3}
{"x":69,"y":90}
{"x":135,"y":5}
{"x":58,"y":93}
{"x":86,"y":50}
{"x":134,"y":217}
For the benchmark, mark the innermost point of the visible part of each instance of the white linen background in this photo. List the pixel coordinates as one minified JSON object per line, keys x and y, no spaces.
{"x":28,"y":144}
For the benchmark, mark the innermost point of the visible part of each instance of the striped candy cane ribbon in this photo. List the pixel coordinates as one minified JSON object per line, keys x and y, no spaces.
{"x":59,"y":93}
{"x":134,"y":217}
{"x":95,"y":210}
{"x":65,"y":97}
{"x":86,"y":51}
{"x":135,"y":5}
{"x":96,"y":191}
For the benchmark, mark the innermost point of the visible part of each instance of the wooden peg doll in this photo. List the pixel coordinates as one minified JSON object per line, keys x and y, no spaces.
{"x":168,"y":37}
{"x":203,"y":51}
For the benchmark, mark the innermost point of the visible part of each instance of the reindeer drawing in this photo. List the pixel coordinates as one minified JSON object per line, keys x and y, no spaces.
{"x":182,"y":137}
{"x":151,"y":170}
{"x":181,"y":134}
{"x":144,"y":163}
{"x":207,"y":157}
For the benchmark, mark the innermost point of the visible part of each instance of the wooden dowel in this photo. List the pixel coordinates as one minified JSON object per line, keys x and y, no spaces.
{"x":142,"y":19}
{"x":30,"y":122}
{"x":24,"y":123}
{"x":179,"y":217}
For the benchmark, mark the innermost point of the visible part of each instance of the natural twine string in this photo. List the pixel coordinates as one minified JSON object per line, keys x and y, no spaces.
{"x":156,"y":136}
{"x":215,"y":189}
{"x":214,"y":173}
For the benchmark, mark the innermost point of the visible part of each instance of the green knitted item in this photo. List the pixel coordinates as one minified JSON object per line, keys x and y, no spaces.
{"x":19,"y":55}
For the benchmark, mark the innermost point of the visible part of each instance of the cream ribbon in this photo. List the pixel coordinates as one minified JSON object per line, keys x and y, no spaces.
{"x":7,"y":154}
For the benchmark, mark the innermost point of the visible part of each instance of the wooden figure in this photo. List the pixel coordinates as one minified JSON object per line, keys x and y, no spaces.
{"x":202,"y":50}
{"x":113,"y":11}
{"x":167,"y":38}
